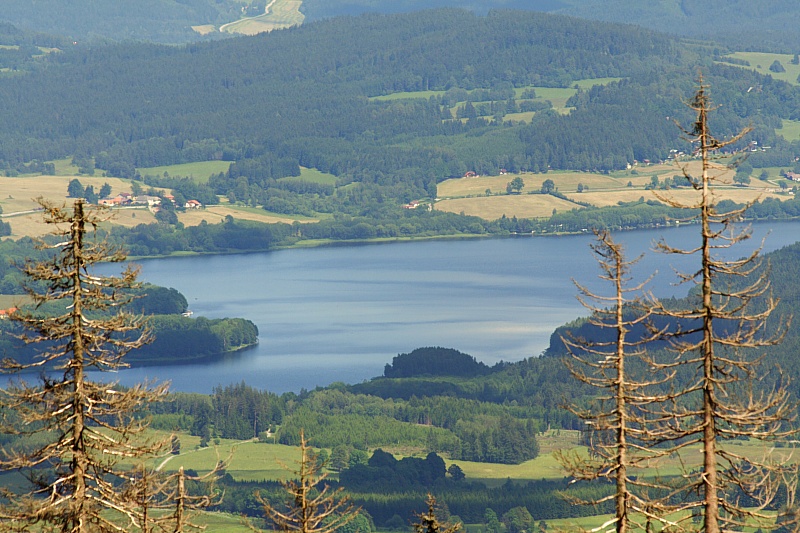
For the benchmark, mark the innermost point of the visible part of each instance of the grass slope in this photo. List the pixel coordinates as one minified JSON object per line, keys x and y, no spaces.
{"x":468,"y":195}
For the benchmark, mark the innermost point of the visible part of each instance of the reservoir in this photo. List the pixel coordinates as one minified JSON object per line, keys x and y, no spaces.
{"x":341,"y":313}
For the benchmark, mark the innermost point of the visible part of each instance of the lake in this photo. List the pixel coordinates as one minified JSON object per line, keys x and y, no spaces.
{"x":341,"y":313}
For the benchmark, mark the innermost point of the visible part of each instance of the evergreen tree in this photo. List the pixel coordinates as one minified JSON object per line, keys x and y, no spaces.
{"x":75,"y":477}
{"x":309,"y":509}
{"x":719,"y":333}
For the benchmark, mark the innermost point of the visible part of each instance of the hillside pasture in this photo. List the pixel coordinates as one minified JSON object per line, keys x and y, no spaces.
{"x":468,"y":195}
{"x":313,"y":175}
{"x":18,"y":200}
{"x":790,"y":130}
{"x":410,"y":95}
{"x":199,"y":171}
{"x":214,"y":214}
{"x":250,"y":460}
{"x":761,"y":61}
{"x":519,"y":205}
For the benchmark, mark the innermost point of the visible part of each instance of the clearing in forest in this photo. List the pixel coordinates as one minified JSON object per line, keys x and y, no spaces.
{"x":279,"y":14}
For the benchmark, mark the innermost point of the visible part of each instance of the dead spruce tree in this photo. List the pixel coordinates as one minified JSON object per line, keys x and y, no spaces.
{"x":166,"y":504}
{"x":310,"y":509}
{"x":718,"y":334}
{"x":429,"y":523}
{"x":617,"y":422}
{"x":76,"y":482}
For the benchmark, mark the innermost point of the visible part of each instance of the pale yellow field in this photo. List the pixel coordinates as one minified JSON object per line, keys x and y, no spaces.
{"x":17,"y":198}
{"x":737,"y":194}
{"x":204,"y":29}
{"x":519,"y":205}
{"x":280,"y":14}
{"x":17,"y":195}
{"x":565,"y":182}
{"x":601,"y":190}
{"x":214,"y":214}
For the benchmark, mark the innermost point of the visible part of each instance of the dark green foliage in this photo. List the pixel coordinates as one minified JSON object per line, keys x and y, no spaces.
{"x":383,"y":471}
{"x":462,"y":428}
{"x":241,"y":412}
{"x":777,"y":67}
{"x":455,"y":472}
{"x":434,"y":361}
{"x":154,"y":300}
{"x":75,"y":189}
{"x":518,"y":520}
{"x":179,"y":338}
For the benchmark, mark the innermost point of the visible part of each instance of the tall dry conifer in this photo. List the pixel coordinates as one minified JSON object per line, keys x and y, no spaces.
{"x":90,"y":427}
{"x":617,"y":422}
{"x":311,"y":507}
{"x":719,"y":334}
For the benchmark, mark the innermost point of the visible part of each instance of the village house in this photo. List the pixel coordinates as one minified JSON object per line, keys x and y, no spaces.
{"x":147,"y":200}
{"x":118,"y":200}
{"x":192,"y":204}
{"x":792,"y":176}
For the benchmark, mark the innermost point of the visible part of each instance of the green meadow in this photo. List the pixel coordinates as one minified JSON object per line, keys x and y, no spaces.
{"x":790,"y":130}
{"x":761,"y":61}
{"x":199,"y":171}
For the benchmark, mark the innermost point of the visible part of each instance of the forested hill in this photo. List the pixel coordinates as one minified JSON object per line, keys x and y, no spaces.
{"x":305,"y":97}
{"x":765,"y":25}
{"x":168,"y":21}
{"x":783,"y":267}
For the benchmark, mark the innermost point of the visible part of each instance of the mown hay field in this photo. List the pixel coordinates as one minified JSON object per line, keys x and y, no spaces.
{"x":214,"y":214}
{"x":469,"y":195}
{"x":18,"y":201}
{"x":519,"y":205}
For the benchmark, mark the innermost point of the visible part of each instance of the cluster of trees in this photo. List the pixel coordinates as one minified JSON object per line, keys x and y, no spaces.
{"x":180,"y":339}
{"x":434,"y":362}
{"x":383,"y":470}
{"x":75,"y":189}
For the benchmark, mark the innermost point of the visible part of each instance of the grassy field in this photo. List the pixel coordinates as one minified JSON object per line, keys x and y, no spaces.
{"x":214,"y":214}
{"x":519,"y":205}
{"x":280,"y":14}
{"x":250,"y":460}
{"x":468,"y":195}
{"x":313,"y":175}
{"x":790,"y":130}
{"x":199,"y":172}
{"x":760,"y":62}
{"x":407,"y":95}
{"x":20,"y":210}
{"x":557,"y":96}
{"x":17,"y":198}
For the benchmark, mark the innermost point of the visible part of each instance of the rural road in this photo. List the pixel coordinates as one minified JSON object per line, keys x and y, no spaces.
{"x":266,"y":12}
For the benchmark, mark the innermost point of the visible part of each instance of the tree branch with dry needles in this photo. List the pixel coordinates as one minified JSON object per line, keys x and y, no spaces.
{"x":75,"y":476}
{"x":716,"y":337}
{"x":310,"y":509}
{"x":618,"y":422}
